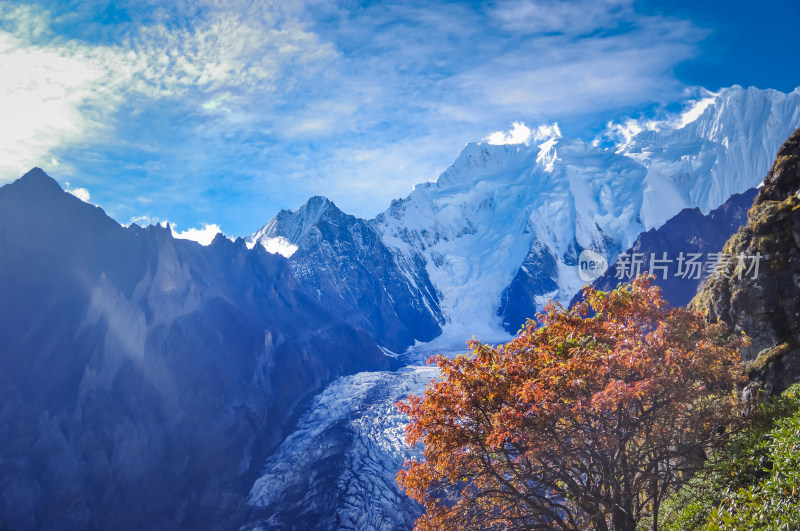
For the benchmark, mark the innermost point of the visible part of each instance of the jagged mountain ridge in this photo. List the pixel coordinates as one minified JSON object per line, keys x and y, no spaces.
{"x":145,"y":379}
{"x":499,"y":233}
{"x":449,"y":211}
{"x":350,"y":441}
{"x":339,"y":256}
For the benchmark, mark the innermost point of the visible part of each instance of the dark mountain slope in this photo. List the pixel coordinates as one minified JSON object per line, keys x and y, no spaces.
{"x":144,"y":379}
{"x":690,"y":231}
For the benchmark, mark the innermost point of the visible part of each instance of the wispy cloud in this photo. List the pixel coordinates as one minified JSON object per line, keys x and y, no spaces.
{"x":570,"y":17}
{"x":229,"y":110}
{"x":43,"y":91}
{"x":620,"y":133}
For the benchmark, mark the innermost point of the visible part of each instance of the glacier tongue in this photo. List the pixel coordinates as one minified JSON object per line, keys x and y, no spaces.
{"x":337,"y":470}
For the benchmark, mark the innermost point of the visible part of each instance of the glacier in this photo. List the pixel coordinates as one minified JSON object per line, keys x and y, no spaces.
{"x":337,"y":470}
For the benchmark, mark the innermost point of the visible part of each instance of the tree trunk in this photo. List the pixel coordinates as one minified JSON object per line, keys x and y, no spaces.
{"x":623,"y":520}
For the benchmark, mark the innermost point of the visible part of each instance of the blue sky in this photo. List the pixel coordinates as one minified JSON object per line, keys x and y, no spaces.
{"x":223,"y":112}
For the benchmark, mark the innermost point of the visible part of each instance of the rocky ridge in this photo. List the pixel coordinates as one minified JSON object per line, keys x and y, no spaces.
{"x":765,"y":304}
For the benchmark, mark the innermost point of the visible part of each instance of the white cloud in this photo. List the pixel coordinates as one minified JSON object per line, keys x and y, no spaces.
{"x":621,"y":133}
{"x":80,"y":193}
{"x":145,"y":221}
{"x":278,"y":245}
{"x":695,"y":109}
{"x":57,"y":92}
{"x":519,"y":134}
{"x":228,"y":44}
{"x":574,"y":17}
{"x":522,"y":134}
{"x":282,"y":100}
{"x":42,"y":91}
{"x":203,"y":236}
{"x":560,"y":77}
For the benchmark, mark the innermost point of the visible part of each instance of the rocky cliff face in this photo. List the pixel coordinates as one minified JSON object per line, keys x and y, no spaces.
{"x":765,"y":306}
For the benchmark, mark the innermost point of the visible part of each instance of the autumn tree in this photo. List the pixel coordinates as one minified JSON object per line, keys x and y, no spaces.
{"x":588,"y":419}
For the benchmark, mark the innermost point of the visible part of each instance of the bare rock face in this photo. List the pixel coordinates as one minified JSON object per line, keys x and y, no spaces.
{"x":766,"y":305}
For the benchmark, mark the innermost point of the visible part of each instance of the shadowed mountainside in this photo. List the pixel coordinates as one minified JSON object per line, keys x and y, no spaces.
{"x":690,"y":231}
{"x":145,"y":378}
{"x":341,"y":257}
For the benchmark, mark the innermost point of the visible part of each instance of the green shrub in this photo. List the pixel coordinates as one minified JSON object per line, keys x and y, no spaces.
{"x":755,"y":484}
{"x":773,"y":502}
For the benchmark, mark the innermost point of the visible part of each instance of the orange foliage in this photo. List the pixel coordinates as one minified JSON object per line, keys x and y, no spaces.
{"x":586,"y":420}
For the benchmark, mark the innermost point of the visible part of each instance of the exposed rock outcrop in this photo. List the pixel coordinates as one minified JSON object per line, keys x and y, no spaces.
{"x":342,"y":259}
{"x":766,"y":305}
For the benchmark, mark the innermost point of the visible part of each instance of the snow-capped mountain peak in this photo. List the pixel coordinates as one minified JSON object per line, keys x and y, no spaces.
{"x":489,"y":243}
{"x":503,"y":209}
{"x":287,"y":227}
{"x":499,"y":232}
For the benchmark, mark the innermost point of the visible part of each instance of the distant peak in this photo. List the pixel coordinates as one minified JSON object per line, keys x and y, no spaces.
{"x":293,"y":225}
{"x":316,"y":207}
{"x":318,"y":201}
{"x":38,"y":175}
{"x":34,"y":173}
{"x":37,"y":181}
{"x":783,"y":178}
